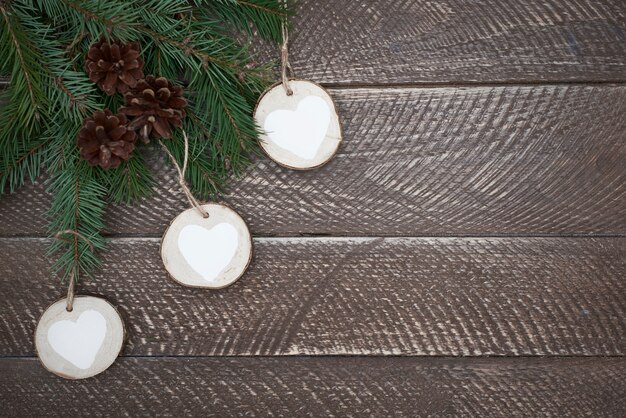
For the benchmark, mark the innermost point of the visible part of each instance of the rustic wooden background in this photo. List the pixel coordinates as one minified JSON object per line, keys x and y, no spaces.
{"x":464,"y":253}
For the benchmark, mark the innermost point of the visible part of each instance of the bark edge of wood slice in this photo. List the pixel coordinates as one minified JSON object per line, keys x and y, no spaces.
{"x":318,"y":144}
{"x":211,"y":253}
{"x":95,"y":331}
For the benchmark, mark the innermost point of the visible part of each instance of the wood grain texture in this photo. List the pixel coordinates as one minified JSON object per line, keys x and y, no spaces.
{"x":491,"y":158}
{"x":414,"y":162}
{"x":457,"y":41}
{"x":338,"y":296}
{"x":322,"y":387}
{"x":400,"y":41}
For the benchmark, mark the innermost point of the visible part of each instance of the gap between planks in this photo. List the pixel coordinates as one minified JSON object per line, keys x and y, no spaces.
{"x":474,"y":84}
{"x":451,"y":84}
{"x":469,"y":358}
{"x":338,"y":237}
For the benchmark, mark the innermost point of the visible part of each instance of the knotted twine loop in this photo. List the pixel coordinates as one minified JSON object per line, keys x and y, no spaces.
{"x":284,"y":58}
{"x":70,"y":288}
{"x":181,"y":176}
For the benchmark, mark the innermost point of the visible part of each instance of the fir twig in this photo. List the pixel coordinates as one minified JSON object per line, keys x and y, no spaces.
{"x":25,"y":102}
{"x":78,"y":205}
{"x":24,"y":62}
{"x":12,"y":27}
{"x":43,"y":44}
{"x":129,"y":182}
{"x":264,"y":15}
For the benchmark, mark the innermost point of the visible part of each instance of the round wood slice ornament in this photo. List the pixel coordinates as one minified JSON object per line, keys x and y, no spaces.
{"x":300,"y":130}
{"x":80,"y":343}
{"x":210,"y":252}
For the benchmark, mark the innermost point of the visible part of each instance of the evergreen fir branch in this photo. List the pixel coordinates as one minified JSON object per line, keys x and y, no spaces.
{"x":183,"y":41}
{"x":187,"y":49}
{"x":205,"y":172}
{"x":129,"y":182}
{"x":78,"y":190}
{"x":264,"y":15}
{"x":20,"y":163}
{"x":232,"y":125}
{"x":23,"y":58}
{"x":78,"y":205}
{"x":24,"y":63}
{"x":25,"y":108}
{"x":178,"y":38}
{"x":251,"y":84}
{"x":76,"y":41}
{"x":219,"y":101}
{"x":96,"y":18}
{"x":73,"y":96}
{"x":70,"y":92}
{"x":169,"y":8}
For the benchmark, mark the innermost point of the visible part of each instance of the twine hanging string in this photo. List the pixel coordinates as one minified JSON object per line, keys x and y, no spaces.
{"x":72,"y":279}
{"x":181,"y":176}
{"x":286,"y":68}
{"x":70,"y":293}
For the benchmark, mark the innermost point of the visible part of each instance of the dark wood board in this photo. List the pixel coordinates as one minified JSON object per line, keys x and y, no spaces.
{"x":459,"y":41}
{"x":334,"y":296}
{"x":542,"y":160}
{"x":372,"y":387}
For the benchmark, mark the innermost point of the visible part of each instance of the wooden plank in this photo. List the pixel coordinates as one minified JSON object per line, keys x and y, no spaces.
{"x":456,"y":41}
{"x":341,"y":296}
{"x":478,"y":161}
{"x":323,"y":387}
{"x":421,"y":41}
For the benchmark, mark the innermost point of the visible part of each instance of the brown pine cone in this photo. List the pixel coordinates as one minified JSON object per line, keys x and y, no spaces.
{"x":114,"y":67}
{"x":105,"y":139}
{"x":157,"y":105}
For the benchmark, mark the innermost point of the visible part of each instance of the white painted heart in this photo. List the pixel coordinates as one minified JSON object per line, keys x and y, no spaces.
{"x":79,"y":341}
{"x":208,"y":251}
{"x":302,"y":131}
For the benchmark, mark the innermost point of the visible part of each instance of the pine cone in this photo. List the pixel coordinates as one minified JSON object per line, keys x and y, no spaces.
{"x":157,"y":105}
{"x":105,"y":139}
{"x":114,"y":67}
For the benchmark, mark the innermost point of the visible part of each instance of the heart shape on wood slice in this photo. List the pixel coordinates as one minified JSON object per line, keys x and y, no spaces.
{"x":302,"y":131}
{"x":208,"y":251}
{"x":79,"y":341}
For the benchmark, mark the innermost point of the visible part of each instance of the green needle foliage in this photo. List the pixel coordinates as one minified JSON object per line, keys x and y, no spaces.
{"x":199,"y":44}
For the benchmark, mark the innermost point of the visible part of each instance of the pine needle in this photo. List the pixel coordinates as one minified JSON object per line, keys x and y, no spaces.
{"x":43,"y":45}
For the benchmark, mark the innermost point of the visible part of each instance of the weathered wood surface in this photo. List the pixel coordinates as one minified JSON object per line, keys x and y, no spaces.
{"x":375,"y":387}
{"x":443,"y":161}
{"x":460,"y":133}
{"x":336,"y":296}
{"x":458,"y":41}
{"x":399,"y":41}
